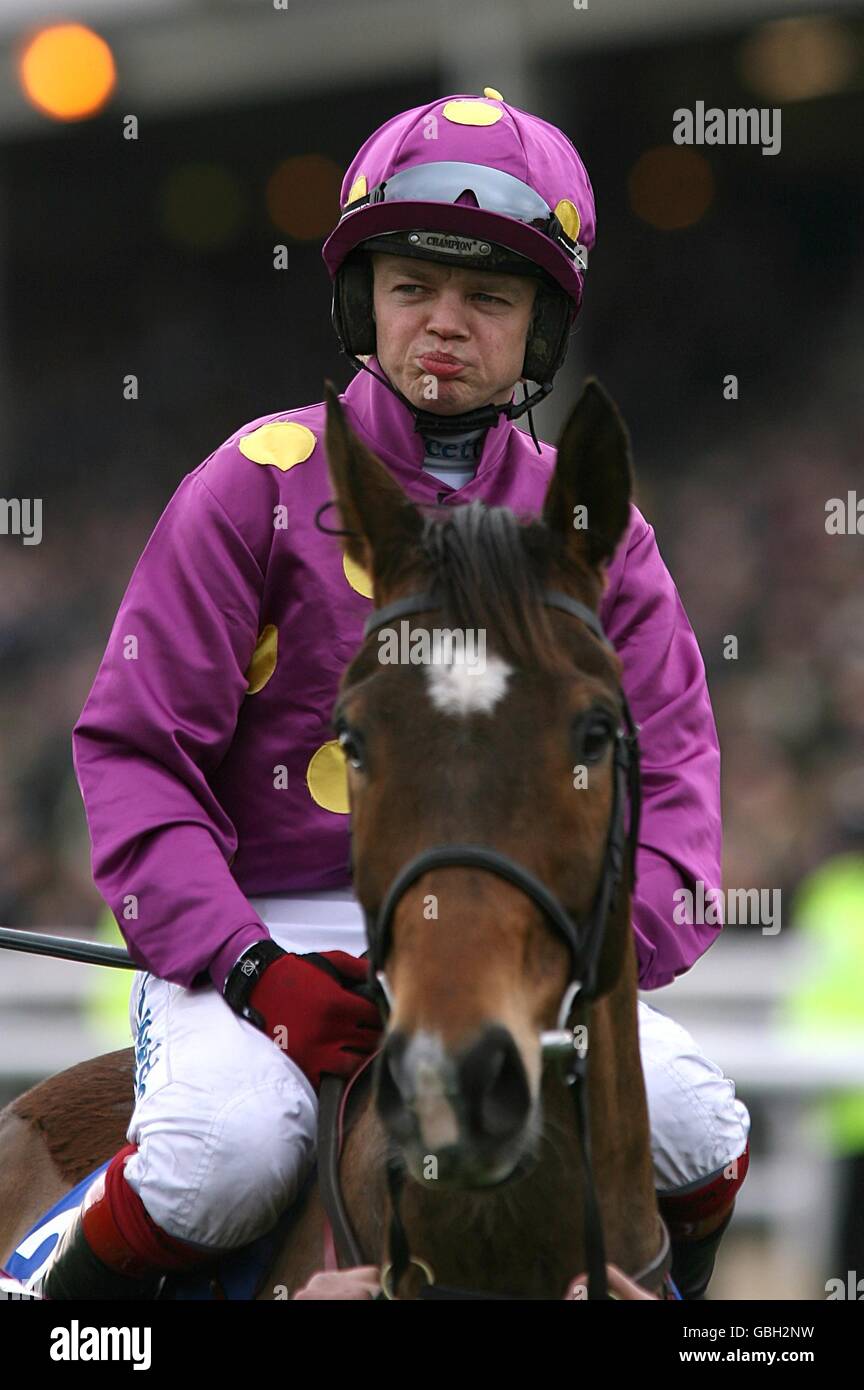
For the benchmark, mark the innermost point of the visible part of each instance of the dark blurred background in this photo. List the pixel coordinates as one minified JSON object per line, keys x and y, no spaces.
{"x":155,"y":257}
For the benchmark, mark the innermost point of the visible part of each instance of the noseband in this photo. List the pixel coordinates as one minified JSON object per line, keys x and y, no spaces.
{"x":583,"y":940}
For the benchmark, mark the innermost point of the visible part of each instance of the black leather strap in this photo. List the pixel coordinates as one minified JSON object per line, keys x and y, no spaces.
{"x":475,"y":856}
{"x":431,"y":599}
{"x":329,"y":1104}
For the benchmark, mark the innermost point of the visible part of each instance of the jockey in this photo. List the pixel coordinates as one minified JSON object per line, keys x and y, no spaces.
{"x":215,"y":794}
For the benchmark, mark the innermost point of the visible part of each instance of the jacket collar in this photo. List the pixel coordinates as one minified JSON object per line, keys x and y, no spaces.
{"x":386,"y":426}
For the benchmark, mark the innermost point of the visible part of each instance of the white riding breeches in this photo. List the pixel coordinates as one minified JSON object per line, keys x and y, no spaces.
{"x":225,"y":1121}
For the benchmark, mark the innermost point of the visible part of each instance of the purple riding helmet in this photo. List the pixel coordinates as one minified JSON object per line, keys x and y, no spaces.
{"x":474,"y":182}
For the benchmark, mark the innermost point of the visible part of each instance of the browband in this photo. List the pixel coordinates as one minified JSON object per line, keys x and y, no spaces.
{"x":419,"y":603}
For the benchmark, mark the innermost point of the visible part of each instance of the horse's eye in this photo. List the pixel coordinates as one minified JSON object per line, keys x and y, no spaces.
{"x":596,"y":737}
{"x":350,"y":747}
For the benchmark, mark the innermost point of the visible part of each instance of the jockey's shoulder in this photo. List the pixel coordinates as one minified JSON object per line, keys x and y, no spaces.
{"x":247,"y":474}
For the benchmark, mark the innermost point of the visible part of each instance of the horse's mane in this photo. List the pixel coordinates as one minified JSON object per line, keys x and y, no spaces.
{"x":490,"y":568}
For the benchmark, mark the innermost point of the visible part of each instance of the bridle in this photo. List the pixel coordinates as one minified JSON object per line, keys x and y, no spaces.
{"x":565,"y":1044}
{"x":584,"y":943}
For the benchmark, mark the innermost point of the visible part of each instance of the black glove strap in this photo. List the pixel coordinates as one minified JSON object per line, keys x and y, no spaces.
{"x":244,"y":976}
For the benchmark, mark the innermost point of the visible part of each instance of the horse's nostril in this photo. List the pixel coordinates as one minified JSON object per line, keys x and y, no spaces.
{"x":495,"y":1085}
{"x":390,"y":1090}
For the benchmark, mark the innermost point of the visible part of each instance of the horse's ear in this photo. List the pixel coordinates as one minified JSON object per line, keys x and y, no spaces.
{"x":382,"y":519}
{"x":593,"y":471}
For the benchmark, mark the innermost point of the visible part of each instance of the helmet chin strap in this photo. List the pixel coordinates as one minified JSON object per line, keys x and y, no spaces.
{"x":482,"y":417}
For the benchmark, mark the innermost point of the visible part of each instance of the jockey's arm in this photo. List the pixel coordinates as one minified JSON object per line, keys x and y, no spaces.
{"x":159,"y":718}
{"x":663,"y":674}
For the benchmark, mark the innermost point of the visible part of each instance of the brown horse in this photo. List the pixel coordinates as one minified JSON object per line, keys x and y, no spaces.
{"x":484,"y":1135}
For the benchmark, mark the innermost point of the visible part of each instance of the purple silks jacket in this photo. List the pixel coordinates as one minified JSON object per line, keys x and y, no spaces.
{"x":204,"y":751}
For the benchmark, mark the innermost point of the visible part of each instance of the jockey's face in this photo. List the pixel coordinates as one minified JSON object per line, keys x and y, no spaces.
{"x":477,"y":316}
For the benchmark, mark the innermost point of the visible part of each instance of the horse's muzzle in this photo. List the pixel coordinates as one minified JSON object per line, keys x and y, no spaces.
{"x":460,"y":1117}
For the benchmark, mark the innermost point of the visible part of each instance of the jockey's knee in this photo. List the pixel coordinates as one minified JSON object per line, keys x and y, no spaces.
{"x":698,"y":1125}
{"x":223,"y":1177}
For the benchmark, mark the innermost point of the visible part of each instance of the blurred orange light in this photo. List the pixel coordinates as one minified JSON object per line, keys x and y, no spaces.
{"x":303,"y":196}
{"x":67,"y":71}
{"x":671,"y":187}
{"x":799,"y":59}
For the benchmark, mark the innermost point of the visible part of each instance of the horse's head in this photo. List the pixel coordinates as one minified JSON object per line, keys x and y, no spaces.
{"x":515,"y":754}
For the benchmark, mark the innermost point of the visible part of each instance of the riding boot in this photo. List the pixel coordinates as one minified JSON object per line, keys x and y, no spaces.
{"x":693,"y":1261}
{"x":113,"y":1249}
{"x":76,"y":1272}
{"x":697,"y":1219}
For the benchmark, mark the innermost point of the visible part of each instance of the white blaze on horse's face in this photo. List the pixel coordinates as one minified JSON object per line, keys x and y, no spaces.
{"x":427,"y":1061}
{"x":457,"y":687}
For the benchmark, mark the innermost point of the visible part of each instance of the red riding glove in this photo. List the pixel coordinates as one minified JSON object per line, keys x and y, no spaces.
{"x":309,"y":1005}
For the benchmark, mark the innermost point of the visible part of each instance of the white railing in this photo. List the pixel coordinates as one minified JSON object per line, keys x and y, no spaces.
{"x":45,"y":1025}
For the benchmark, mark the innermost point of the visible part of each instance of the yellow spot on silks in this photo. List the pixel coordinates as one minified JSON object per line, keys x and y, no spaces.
{"x":357,"y":577}
{"x":281,"y":444}
{"x":263,"y":662}
{"x":491,"y":92}
{"x":359,"y":189}
{"x":327,"y":778}
{"x":568,"y":215}
{"x":471,"y":113}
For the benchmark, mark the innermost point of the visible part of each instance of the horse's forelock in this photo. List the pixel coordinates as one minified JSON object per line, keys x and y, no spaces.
{"x":490,"y":569}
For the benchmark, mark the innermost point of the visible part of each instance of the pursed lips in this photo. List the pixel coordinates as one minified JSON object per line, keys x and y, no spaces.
{"x":441,"y":365}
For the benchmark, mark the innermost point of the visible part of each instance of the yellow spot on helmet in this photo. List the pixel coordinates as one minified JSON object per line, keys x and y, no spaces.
{"x":281,"y":444}
{"x":568,"y":215}
{"x":359,"y":189}
{"x":471,"y":113}
{"x":327,"y":779}
{"x":357,"y":577}
{"x":491,"y":92}
{"x":263,"y":662}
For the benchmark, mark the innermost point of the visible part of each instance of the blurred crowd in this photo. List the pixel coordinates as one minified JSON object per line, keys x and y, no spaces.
{"x":743,"y":531}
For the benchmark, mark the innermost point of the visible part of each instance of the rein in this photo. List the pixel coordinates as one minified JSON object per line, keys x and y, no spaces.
{"x":584,"y":941}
